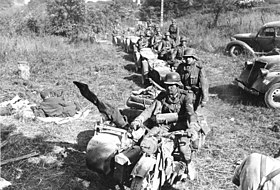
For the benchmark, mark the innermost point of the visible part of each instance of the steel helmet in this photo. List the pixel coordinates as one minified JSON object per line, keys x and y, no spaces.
{"x":190,"y":53}
{"x":167,"y":34}
{"x":172,"y":78}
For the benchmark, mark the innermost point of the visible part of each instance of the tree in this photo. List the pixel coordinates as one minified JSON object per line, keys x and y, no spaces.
{"x":64,"y":14}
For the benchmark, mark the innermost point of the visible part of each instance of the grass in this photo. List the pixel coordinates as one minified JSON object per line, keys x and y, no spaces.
{"x":240,"y":122}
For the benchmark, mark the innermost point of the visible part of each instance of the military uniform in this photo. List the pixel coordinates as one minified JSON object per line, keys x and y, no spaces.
{"x":182,"y":105}
{"x":165,"y":48}
{"x":56,"y":107}
{"x":194,"y":80}
{"x":174,"y":32}
{"x":142,"y":43}
{"x":157,"y":38}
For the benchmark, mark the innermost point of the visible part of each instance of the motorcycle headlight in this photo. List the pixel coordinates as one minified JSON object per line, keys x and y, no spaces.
{"x":149,"y":145}
{"x":264,"y":72}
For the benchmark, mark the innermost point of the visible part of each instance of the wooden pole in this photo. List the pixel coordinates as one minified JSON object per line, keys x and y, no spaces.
{"x":19,"y":158}
{"x":161,"y":13}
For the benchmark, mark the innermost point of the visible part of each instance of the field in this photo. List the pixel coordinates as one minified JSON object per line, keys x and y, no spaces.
{"x":240,"y":123}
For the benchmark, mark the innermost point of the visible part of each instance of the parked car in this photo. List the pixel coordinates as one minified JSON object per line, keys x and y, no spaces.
{"x":262,"y":77}
{"x":267,"y":39}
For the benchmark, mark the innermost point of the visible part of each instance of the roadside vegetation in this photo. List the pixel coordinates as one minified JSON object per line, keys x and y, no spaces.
{"x":241,"y":124}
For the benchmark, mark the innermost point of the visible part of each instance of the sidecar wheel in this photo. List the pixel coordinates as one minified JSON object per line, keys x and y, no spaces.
{"x":137,"y":183}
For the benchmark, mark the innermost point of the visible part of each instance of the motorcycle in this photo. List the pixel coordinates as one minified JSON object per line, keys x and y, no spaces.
{"x":156,"y":168}
{"x":150,"y":66}
{"x":112,"y":153}
{"x":152,"y":171}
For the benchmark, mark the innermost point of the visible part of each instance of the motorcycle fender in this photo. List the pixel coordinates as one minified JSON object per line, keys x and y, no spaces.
{"x":242,"y":44}
{"x":143,"y":166}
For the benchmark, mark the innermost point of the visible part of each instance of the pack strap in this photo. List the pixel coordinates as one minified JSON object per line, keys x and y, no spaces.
{"x":267,"y":178}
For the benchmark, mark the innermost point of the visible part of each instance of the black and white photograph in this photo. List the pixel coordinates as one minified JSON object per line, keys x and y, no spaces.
{"x":140,"y":94}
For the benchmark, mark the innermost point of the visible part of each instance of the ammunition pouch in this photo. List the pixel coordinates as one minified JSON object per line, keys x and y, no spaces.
{"x":194,"y":89}
{"x":139,"y":102}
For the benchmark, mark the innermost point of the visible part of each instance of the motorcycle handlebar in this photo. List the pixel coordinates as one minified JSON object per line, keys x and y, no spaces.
{"x":172,"y":135}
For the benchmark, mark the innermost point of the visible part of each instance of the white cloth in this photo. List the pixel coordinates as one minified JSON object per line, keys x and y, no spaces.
{"x":61,"y":120}
{"x":20,"y":106}
{"x":250,"y":173}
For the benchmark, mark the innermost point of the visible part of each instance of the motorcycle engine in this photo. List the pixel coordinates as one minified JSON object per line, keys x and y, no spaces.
{"x":149,"y":145}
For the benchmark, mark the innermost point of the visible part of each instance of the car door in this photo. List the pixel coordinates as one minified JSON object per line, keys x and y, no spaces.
{"x":265,"y":39}
{"x":277,"y":37}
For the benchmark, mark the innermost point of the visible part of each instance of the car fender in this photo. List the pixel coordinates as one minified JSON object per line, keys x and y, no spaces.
{"x":272,"y":82}
{"x":143,"y":166}
{"x":263,"y":84}
{"x":240,"y":43}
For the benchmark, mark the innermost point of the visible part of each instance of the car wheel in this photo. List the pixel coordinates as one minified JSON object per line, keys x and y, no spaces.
{"x":236,"y":50}
{"x":272,"y":96}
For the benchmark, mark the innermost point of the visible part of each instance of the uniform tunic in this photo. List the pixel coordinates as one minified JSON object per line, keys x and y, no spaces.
{"x":194,"y":78}
{"x":57,"y":107}
{"x":182,"y":105}
{"x":256,"y":166}
{"x":174,"y":31}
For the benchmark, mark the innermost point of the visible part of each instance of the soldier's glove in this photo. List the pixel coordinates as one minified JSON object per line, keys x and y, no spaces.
{"x":136,"y":124}
{"x":137,"y":134}
{"x":193,"y":131}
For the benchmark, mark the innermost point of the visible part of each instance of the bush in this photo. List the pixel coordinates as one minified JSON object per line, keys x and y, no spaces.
{"x":63,"y":14}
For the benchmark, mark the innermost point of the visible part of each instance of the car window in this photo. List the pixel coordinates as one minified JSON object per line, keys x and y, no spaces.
{"x":267,"y":32}
{"x":277,"y":30}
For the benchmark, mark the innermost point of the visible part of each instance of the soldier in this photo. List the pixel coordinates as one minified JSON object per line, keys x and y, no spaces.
{"x":174,"y":30}
{"x":173,"y":100}
{"x":116,"y":32}
{"x":194,"y":78}
{"x":53,"y":104}
{"x":179,"y":51}
{"x":142,"y":42}
{"x":165,"y":47}
{"x":156,"y":39}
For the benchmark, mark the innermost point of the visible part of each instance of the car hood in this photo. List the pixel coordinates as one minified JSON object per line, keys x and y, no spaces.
{"x":272,"y":62}
{"x":245,"y":35}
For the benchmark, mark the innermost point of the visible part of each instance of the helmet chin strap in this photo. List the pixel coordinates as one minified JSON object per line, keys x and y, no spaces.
{"x":173,"y":96}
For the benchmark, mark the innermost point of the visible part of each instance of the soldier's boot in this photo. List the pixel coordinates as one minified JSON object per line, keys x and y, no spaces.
{"x":112,"y":113}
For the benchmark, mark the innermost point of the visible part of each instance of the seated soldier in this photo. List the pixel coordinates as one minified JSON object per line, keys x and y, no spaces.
{"x":141,"y":43}
{"x":165,"y":47}
{"x":53,"y":105}
{"x":173,"y":100}
{"x":149,"y":30}
{"x":156,"y":39}
{"x":174,"y":31}
{"x":177,"y":54}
